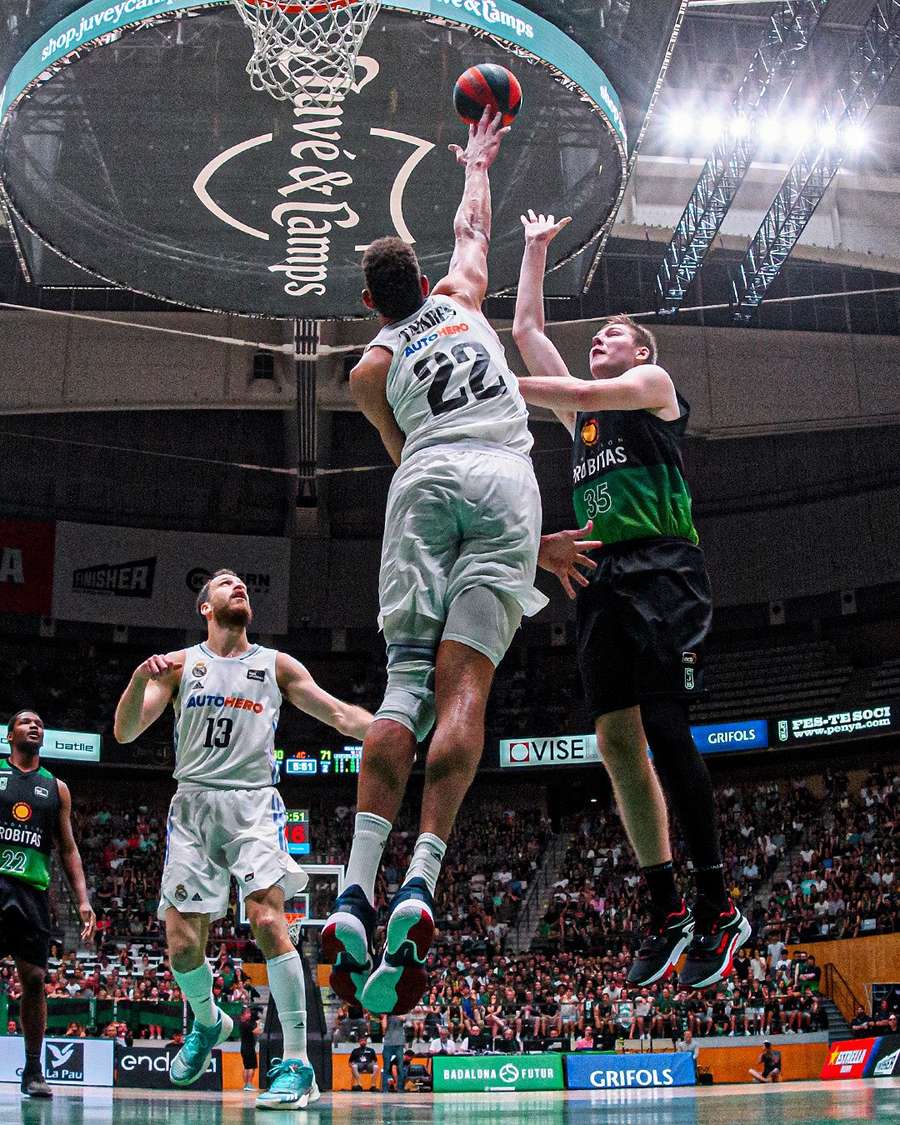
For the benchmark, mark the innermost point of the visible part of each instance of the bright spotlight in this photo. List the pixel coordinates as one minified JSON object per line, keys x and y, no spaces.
{"x":854,"y":137}
{"x":680,"y":125}
{"x":710,"y":128}
{"x":739,"y":127}
{"x":770,"y":132}
{"x":828,"y":134}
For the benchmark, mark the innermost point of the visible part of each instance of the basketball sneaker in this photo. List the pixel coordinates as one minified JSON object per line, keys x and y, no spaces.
{"x":34,"y":1085}
{"x":711,"y":952}
{"x":347,"y":943}
{"x":193,"y":1058}
{"x":292,"y":1085}
{"x":661,"y":947}
{"x":401,"y":977}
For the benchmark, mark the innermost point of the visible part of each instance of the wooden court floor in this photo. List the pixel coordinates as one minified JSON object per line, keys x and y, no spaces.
{"x":811,"y":1103}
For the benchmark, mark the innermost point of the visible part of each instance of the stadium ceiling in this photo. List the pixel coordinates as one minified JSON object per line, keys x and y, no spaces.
{"x":847,"y":98}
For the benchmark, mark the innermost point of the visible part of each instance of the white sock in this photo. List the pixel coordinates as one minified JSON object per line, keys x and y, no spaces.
{"x":370,"y":834}
{"x":197,"y":986}
{"x":427,"y":859}
{"x":289,"y":993}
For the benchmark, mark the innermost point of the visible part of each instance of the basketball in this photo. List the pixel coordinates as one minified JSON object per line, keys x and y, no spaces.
{"x":487,"y":85}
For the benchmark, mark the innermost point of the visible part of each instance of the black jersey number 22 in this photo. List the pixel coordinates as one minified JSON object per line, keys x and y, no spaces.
{"x":440,"y":368}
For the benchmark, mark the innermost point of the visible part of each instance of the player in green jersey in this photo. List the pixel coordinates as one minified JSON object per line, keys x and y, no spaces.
{"x":642,"y":619}
{"x":35,"y":813}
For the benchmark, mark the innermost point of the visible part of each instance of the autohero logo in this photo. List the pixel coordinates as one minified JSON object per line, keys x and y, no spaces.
{"x":576,"y":749}
{"x":122,"y":580}
{"x":63,"y":1062}
{"x":324,"y":170}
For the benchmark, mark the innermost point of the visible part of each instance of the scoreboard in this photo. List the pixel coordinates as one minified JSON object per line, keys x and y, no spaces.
{"x":315,"y":763}
{"x":296,"y":831}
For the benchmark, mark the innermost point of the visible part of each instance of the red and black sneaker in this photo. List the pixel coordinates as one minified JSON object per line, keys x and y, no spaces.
{"x":661,"y":947}
{"x":711,"y":953}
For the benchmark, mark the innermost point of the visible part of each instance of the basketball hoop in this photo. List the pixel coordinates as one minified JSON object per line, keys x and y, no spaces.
{"x":306,"y":52}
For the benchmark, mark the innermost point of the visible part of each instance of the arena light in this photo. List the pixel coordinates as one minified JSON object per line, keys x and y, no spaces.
{"x":828,"y":134}
{"x":854,"y":137}
{"x":680,"y":125}
{"x":711,"y":128}
{"x":739,"y":127}
{"x":770,"y":132}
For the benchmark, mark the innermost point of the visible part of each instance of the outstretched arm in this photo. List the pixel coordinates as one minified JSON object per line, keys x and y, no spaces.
{"x":467,"y":277}
{"x":368,"y":385}
{"x":646,"y":387}
{"x":71,"y":862}
{"x":298,"y":686}
{"x":540,"y":355}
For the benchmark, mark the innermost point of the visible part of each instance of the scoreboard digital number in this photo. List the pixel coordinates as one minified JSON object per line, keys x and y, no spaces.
{"x":296,"y":831}
{"x":314,"y":763}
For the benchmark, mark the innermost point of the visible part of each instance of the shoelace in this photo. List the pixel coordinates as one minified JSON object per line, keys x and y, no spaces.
{"x":283,"y":1066}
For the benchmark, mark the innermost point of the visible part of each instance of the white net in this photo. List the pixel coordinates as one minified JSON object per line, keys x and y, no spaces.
{"x":306,"y":50}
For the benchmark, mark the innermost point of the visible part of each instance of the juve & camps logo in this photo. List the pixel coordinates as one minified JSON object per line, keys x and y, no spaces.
{"x":124,"y":580}
{"x":311,"y":206}
{"x":63,"y":1062}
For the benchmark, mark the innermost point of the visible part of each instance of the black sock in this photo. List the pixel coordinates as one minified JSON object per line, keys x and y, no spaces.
{"x":711,"y":889}
{"x":32,"y":1061}
{"x":664,"y":895}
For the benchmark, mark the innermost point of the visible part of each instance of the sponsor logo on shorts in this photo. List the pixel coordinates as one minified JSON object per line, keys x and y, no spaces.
{"x":195,"y":897}
{"x":256,"y":674}
{"x":199,"y":669}
{"x":590,"y":432}
{"x":689,"y":658}
{"x":248,"y":878}
{"x":689,"y":683}
{"x":21,"y":810}
{"x":180,"y":893}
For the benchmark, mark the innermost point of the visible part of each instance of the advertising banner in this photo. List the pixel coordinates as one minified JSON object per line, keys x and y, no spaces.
{"x":66,"y":745}
{"x":588,"y":1071}
{"x":884,"y":1061}
{"x":750,"y":734}
{"x":26,"y":567}
{"x":135,"y":576}
{"x":562,"y":750}
{"x":876,"y":718}
{"x":848,"y":1058}
{"x":497,"y":1072}
{"x":74,"y":1062}
{"x":147,"y":1068}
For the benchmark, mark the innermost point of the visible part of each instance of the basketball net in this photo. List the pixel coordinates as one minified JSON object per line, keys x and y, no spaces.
{"x":306,"y":52}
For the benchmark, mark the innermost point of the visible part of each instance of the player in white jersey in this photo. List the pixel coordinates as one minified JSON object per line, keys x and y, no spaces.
{"x":227,"y":818}
{"x":461,"y":541}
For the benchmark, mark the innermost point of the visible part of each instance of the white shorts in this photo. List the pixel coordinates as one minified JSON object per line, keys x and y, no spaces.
{"x":212,"y":834}
{"x":458,"y":516}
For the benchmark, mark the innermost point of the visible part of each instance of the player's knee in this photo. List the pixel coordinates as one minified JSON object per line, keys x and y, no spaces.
{"x":32,"y":980}
{"x":409,"y":697}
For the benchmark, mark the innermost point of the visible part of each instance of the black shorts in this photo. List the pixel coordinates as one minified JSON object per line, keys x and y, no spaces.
{"x":24,"y":922}
{"x":641,"y":624}
{"x":248,"y":1056}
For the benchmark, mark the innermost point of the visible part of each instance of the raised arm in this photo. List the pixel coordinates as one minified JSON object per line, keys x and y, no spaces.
{"x":298,"y":686}
{"x":71,"y":862}
{"x":467,"y":277}
{"x":539,"y":353}
{"x":646,"y":387}
{"x":368,"y":385}
{"x":149,"y":690}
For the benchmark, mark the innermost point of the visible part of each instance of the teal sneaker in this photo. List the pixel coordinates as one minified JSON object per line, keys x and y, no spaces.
{"x":193,"y":1058}
{"x":292,"y":1085}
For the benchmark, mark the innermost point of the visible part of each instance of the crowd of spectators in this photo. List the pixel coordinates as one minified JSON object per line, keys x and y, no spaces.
{"x":540,"y":1000}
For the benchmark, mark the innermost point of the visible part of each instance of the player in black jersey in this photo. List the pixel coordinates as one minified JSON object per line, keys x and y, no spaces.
{"x":642,"y":617}
{"x":35,"y":813}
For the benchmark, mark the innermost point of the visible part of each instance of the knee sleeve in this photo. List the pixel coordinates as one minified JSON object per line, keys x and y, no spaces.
{"x":409,"y":697}
{"x":483,"y":619}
